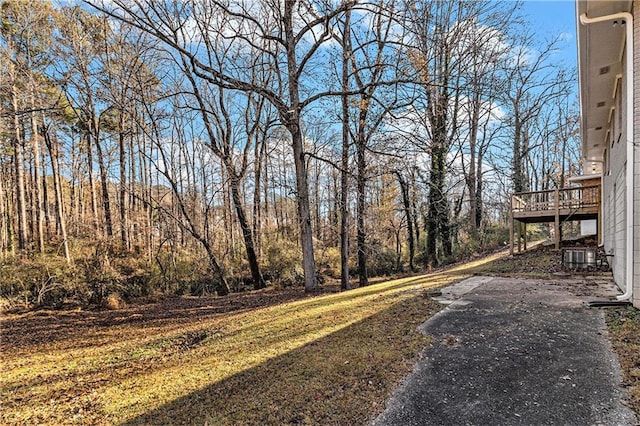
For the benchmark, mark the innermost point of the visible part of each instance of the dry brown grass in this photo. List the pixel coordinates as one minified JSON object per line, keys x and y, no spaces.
{"x":268,"y":357}
{"x":624,"y":331}
{"x":113,"y":302}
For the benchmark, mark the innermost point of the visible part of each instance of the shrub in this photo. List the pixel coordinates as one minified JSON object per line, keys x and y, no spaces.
{"x":283,"y":263}
{"x":113,"y":302}
{"x":328,"y":262}
{"x":95,"y":275}
{"x":496,"y":236}
{"x":381,"y":261}
{"x":45,"y":281}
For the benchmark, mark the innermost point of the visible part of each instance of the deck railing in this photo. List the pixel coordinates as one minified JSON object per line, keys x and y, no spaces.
{"x":550,"y":200}
{"x":554,"y":205}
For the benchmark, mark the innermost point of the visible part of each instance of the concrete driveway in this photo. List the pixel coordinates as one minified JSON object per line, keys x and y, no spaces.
{"x":515,"y":352}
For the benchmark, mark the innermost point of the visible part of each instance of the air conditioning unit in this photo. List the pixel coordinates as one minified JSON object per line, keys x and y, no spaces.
{"x":579,"y":257}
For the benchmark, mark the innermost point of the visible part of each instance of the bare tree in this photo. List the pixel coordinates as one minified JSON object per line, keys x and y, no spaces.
{"x":289,"y":36}
{"x":532,"y":82}
{"x":83,"y":38}
{"x":53,"y":149}
{"x":484,"y":45}
{"x":438,"y":27}
{"x":372,"y":47}
{"x":190,"y":207}
{"x":345,"y":283}
{"x":409,"y":215}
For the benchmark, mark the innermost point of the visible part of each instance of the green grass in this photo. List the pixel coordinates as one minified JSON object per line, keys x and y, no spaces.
{"x":329,"y":359}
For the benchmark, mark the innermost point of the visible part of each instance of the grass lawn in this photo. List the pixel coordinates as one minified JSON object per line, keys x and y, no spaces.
{"x":268,"y":357}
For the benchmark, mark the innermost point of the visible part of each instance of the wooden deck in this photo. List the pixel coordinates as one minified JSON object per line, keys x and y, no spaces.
{"x":555,"y":205}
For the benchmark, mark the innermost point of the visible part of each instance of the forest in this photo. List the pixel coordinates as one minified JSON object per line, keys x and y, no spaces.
{"x":206,"y":147}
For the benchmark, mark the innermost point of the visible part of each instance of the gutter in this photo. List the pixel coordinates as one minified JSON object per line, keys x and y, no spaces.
{"x":628,"y":17}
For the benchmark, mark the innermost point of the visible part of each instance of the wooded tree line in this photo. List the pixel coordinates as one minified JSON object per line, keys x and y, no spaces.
{"x":274,"y":140}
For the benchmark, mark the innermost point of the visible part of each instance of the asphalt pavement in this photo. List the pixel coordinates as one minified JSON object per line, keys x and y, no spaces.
{"x":515,"y":352}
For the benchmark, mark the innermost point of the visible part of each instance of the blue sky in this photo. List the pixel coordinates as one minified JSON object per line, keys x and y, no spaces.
{"x":552,"y":17}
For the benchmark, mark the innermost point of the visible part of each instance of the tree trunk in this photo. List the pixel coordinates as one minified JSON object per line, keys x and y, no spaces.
{"x":344,"y":172}
{"x":399,"y":267}
{"x":4,"y":218}
{"x":471,"y":175}
{"x":404,"y":189}
{"x":292,"y":120}
{"x":304,"y":214}
{"x":227,"y":217}
{"x":222,"y":287}
{"x":478,"y":191}
{"x":92,"y":188}
{"x":438,"y":213}
{"x":37,"y":184}
{"x":344,"y":207}
{"x":124,"y":238}
{"x":258,"y":280}
{"x":53,"y":154}
{"x":260,"y":155}
{"x":414,"y":207}
{"x":314,"y":190}
{"x":519,"y":184}
{"x":104,"y":182}
{"x":18,"y":161}
{"x":45,"y":195}
{"x":76,"y":188}
{"x":363,"y":276}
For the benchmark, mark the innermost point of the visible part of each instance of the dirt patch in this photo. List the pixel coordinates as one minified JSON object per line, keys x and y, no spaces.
{"x":542,"y":260}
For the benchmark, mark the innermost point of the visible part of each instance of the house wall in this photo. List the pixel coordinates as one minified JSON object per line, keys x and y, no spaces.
{"x":636,"y":159}
{"x":613,"y":190}
{"x":618,"y":227}
{"x":588,"y":227}
{"x":614,"y":179}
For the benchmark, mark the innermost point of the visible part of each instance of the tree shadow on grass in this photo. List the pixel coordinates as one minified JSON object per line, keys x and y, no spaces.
{"x":32,"y":329}
{"x":45,"y":327}
{"x":343,"y":378}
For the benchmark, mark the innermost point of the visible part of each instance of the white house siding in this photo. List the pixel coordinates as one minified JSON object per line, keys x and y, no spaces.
{"x":608,"y":222}
{"x":616,"y":196}
{"x":618,"y":226}
{"x":614,"y":185}
{"x":636,"y":178}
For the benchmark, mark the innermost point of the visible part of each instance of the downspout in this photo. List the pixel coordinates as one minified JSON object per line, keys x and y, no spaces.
{"x":628,"y":18}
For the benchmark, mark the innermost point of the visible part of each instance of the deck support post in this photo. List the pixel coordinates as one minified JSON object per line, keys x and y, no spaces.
{"x":524,"y":234}
{"x":519,"y":237}
{"x":511,"y":228}
{"x":556,"y":203}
